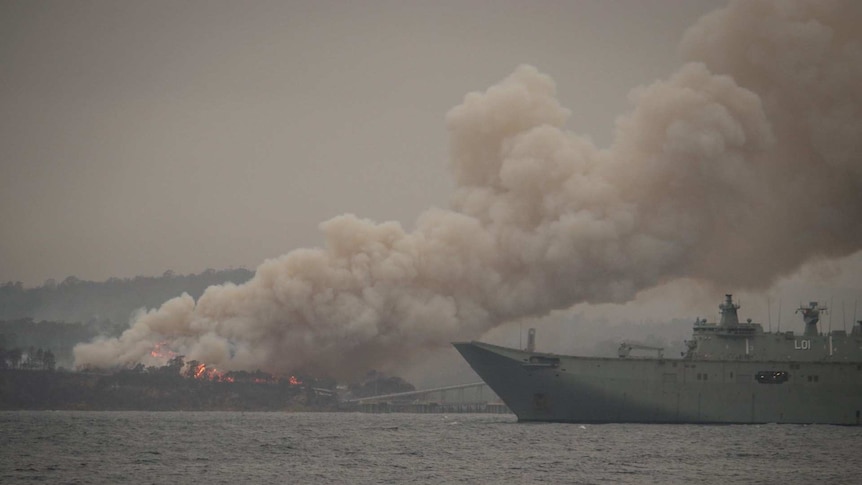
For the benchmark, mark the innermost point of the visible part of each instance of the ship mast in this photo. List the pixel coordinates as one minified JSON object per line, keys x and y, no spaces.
{"x":729,"y":317}
{"x":811,"y":315}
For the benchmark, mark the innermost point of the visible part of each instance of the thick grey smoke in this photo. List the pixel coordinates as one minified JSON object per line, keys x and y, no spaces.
{"x":737,"y":169}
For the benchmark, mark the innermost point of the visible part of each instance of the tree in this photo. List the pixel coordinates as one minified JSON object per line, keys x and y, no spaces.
{"x":14,"y":357}
{"x":192,"y":368}
{"x":49,"y":362}
{"x":175,"y":365}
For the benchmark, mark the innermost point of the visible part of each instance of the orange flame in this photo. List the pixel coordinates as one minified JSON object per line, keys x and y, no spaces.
{"x":202,"y":372}
{"x":162,"y":351}
{"x":199,"y":371}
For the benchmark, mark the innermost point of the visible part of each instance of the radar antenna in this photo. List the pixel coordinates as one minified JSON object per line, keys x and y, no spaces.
{"x":811,"y":315}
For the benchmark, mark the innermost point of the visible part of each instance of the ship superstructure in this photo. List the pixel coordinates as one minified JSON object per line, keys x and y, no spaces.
{"x":731,"y":372}
{"x":731,"y":339}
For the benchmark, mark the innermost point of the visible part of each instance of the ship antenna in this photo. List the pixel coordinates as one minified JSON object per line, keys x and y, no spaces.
{"x":769,"y":314}
{"x":843,"y":317}
{"x":779,"y":315}
{"x":854,"y":312}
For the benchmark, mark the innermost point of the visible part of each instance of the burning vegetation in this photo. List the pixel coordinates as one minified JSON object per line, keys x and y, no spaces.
{"x":196,"y":385}
{"x":161,"y":351}
{"x":178,"y":384}
{"x":200,"y":371}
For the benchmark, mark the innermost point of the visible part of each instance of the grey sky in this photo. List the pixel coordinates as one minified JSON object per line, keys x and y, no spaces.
{"x":139,"y":137}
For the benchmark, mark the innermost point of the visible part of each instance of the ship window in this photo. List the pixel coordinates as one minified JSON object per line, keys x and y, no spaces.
{"x":813,"y":378}
{"x":731,"y":375}
{"x":772,"y":377}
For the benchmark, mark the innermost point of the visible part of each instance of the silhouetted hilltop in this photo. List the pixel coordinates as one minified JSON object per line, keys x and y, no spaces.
{"x":56,"y":316}
{"x":114,"y":300}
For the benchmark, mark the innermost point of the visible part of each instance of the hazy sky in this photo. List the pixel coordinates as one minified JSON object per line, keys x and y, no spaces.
{"x":139,"y":137}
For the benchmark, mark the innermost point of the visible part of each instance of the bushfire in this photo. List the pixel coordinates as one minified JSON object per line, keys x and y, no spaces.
{"x":201,"y":371}
{"x":194,"y":369}
{"x":161,"y":350}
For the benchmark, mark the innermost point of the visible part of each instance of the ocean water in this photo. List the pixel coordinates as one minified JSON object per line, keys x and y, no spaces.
{"x":353,"y":448}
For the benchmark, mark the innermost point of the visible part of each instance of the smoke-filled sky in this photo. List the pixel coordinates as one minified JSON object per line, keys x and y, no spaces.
{"x":607,"y":149}
{"x":138,"y":137}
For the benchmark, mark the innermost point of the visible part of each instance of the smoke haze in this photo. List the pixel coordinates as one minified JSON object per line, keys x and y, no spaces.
{"x":736,"y":170}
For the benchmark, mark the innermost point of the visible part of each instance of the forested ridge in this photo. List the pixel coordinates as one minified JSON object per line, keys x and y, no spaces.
{"x":54,"y":317}
{"x":113,"y":300}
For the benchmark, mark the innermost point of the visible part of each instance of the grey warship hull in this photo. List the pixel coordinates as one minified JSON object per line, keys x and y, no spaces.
{"x":560,"y":388}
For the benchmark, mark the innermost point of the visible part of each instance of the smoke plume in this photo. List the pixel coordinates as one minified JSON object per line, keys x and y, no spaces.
{"x":736,"y":169}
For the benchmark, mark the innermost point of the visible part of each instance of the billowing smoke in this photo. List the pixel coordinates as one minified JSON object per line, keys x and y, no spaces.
{"x":738,"y":168}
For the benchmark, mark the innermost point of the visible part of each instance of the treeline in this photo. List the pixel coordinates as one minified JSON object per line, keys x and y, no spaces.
{"x":106,"y":302}
{"x":55,"y":337}
{"x":29,"y":359}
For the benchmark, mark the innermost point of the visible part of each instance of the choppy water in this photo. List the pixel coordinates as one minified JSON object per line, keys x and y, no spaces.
{"x":327,"y":448}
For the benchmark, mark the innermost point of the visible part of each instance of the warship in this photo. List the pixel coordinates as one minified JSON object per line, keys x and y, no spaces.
{"x":730,"y":372}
